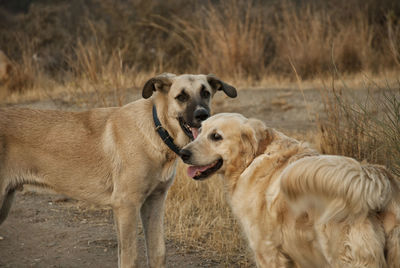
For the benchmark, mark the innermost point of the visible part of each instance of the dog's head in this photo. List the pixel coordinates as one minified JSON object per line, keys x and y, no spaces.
{"x":186,"y":97}
{"x":225,"y":141}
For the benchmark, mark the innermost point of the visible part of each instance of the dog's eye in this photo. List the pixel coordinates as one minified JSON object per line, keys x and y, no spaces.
{"x":183,"y":97}
{"x":215,"y":136}
{"x":204,"y":92}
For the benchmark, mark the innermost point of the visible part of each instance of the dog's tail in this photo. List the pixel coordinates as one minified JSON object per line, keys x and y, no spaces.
{"x":336,"y":187}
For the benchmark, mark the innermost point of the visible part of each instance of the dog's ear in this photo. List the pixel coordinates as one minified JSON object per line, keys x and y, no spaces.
{"x":249,"y":141}
{"x":160,"y":82}
{"x":263,"y":135}
{"x":217,"y":84}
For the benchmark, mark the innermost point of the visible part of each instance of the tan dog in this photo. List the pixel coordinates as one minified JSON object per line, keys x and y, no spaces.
{"x":299,"y":208}
{"x":109,"y":156}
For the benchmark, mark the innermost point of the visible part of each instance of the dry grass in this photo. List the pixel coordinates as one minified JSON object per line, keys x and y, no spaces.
{"x":363,"y":127}
{"x":199,"y":218}
{"x":310,"y":38}
{"x":237,"y":40}
{"x":228,"y":39}
{"x":97,"y":75}
{"x":24,"y":74}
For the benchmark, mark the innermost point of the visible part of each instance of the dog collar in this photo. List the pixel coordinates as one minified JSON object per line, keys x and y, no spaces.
{"x":163,"y":133}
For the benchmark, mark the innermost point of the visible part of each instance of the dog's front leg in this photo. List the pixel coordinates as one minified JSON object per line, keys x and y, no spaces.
{"x":6,"y":200}
{"x":152,"y":214}
{"x":126,"y":221}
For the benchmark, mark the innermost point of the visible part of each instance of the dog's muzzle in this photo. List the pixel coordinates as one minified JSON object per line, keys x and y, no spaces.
{"x":201,"y":114}
{"x":192,"y":129}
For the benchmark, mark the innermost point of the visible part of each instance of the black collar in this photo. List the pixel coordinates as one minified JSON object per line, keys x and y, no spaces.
{"x":164,"y":135}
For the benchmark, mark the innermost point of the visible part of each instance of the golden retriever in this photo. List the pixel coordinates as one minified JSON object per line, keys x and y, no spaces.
{"x":299,"y":208}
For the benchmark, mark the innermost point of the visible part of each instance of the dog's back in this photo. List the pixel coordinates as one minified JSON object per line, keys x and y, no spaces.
{"x":356,"y":205}
{"x":33,"y":141}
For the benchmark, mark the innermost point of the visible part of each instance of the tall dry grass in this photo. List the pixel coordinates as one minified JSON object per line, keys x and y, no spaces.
{"x":366,"y":127}
{"x":237,"y":40}
{"x":229,"y":39}
{"x":25,"y":73}
{"x":99,"y":78}
{"x":308,"y":38}
{"x":394,"y":38}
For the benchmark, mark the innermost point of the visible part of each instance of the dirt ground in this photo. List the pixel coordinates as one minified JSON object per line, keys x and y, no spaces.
{"x":42,"y":231}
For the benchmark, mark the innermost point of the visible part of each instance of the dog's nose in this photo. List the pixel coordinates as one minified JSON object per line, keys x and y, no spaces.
{"x":185,"y":154}
{"x":201,"y":114}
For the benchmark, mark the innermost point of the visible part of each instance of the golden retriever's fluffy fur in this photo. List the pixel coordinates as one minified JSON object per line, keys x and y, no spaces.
{"x":299,"y":208}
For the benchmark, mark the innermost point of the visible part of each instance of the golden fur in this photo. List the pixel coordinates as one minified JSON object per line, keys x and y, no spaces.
{"x":299,"y":208}
{"x":108,"y":156}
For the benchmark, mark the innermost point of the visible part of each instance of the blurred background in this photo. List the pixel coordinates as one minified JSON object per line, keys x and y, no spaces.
{"x":64,"y":40}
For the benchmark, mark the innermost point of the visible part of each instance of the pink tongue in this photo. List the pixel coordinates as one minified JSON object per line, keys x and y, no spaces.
{"x":195,"y":132}
{"x":192,"y":170}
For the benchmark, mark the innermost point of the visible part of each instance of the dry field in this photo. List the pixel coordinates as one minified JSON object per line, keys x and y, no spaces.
{"x":321,"y":72}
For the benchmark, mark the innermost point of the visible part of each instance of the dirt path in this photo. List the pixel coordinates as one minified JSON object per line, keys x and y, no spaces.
{"x":40,"y":232}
